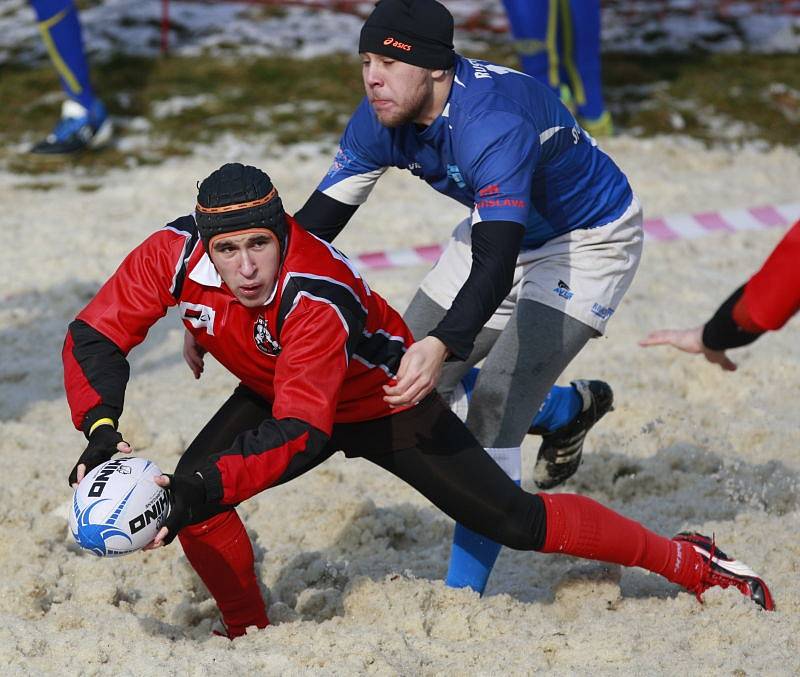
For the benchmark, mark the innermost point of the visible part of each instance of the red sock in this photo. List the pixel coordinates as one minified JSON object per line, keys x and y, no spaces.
{"x":579,"y":526}
{"x":219,"y":549}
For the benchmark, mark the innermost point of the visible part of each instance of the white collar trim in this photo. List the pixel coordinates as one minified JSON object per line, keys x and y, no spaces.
{"x":205,"y":273}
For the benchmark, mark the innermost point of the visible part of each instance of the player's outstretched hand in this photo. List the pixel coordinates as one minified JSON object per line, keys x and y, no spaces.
{"x":187,"y":493}
{"x":104,"y":442}
{"x":689,"y":341}
{"x":418,"y":374}
{"x":193,"y":354}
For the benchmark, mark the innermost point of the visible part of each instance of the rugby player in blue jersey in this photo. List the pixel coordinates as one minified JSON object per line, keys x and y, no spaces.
{"x":550,"y":245}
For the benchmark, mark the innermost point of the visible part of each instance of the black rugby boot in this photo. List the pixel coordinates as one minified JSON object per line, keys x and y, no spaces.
{"x":561,"y":451}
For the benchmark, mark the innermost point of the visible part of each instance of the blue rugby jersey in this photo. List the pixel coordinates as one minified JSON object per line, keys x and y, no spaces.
{"x":504,"y":145}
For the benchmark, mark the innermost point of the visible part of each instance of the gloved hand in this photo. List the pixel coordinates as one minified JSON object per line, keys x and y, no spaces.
{"x":104,"y":442}
{"x":187,"y":493}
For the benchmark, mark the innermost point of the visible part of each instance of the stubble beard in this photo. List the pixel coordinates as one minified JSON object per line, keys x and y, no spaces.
{"x":405,"y":116}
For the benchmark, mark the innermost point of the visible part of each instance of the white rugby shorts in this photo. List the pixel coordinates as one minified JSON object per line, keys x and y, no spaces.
{"x":583,"y":273}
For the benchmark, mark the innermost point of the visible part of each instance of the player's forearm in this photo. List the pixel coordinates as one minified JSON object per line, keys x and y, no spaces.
{"x":261,"y":458}
{"x":324,"y":216}
{"x":95,"y":376}
{"x":731,"y":326}
{"x":495,"y":247}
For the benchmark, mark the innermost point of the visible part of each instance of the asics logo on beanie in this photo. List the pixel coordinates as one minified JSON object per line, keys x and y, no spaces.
{"x":396,"y":43}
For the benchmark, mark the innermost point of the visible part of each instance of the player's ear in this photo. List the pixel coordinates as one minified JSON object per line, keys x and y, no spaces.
{"x":440,"y":74}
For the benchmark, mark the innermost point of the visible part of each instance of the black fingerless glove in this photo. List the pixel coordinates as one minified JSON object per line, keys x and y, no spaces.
{"x":102,"y":446}
{"x":187,"y":493}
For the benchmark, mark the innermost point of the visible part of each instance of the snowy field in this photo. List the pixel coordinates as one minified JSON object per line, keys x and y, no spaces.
{"x":351,"y":560}
{"x":250,"y":29}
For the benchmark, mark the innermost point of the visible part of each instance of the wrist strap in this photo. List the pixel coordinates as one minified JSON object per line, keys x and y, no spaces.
{"x":101,"y":421}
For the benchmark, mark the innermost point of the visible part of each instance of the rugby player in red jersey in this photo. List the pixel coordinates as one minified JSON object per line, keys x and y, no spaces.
{"x":313,"y":347}
{"x":764,"y":303}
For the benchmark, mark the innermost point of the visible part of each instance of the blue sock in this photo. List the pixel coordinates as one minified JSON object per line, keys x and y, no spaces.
{"x":61,"y":34}
{"x":585,"y":58}
{"x":561,"y":406}
{"x":536,"y":39}
{"x":472,"y":558}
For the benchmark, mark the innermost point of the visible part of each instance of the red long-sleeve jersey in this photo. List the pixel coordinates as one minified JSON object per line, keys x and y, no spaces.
{"x":765,"y":302}
{"x":320,"y":349}
{"x":772,"y":295}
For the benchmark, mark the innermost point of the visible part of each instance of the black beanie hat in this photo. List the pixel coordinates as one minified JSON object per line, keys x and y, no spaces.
{"x":419,"y":32}
{"x":237,"y":197}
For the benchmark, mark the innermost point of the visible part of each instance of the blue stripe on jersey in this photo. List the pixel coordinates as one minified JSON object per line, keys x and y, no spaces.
{"x":504,"y":145}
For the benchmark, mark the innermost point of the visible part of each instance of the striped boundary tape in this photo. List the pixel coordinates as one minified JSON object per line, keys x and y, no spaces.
{"x":664,"y":229}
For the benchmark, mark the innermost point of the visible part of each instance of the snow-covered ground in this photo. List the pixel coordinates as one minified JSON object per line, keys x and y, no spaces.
{"x":248,"y":29}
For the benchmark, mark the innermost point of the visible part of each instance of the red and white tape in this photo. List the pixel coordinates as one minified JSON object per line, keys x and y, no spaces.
{"x":679,"y":227}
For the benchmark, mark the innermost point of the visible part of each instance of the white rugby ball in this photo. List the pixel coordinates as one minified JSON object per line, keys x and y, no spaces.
{"x":118,"y":508}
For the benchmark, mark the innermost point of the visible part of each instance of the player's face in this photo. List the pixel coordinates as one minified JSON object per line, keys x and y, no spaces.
{"x":248,"y":264}
{"x":398,"y":92}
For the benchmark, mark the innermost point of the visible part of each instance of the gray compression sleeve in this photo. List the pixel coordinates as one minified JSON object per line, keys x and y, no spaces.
{"x":522,"y":364}
{"x":535,"y":347}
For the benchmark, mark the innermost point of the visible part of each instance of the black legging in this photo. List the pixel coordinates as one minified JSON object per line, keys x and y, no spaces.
{"x":427,"y":447}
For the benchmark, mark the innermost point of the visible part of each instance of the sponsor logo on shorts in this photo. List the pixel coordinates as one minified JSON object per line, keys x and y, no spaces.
{"x":455,"y":174}
{"x":563,"y":290}
{"x":493,"y":189}
{"x":264,"y":341}
{"x":391,"y":42}
{"x":603,"y":312}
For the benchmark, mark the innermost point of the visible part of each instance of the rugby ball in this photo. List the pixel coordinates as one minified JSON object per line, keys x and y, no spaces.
{"x":118,"y":508}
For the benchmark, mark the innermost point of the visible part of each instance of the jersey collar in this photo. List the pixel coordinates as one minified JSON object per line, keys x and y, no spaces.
{"x":205,"y":273}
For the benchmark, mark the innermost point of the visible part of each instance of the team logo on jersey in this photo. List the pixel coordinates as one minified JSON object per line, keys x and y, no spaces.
{"x":199,"y":316}
{"x":343,"y":158}
{"x":264,"y":341}
{"x":455,"y":173}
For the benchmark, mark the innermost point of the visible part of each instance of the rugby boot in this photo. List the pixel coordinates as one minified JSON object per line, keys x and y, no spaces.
{"x":78,"y":129}
{"x":561,"y":450}
{"x":720,"y":570}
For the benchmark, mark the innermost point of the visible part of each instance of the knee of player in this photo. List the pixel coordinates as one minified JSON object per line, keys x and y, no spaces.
{"x":523,"y":524}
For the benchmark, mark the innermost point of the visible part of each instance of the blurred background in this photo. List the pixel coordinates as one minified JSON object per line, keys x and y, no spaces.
{"x":174,"y":74}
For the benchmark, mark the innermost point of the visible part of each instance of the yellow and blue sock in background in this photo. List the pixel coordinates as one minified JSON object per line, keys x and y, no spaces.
{"x":61,"y":34}
{"x":558,"y":42}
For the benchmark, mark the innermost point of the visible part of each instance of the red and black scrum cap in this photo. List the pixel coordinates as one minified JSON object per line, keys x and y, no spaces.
{"x":419,"y":32}
{"x":238,"y":197}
